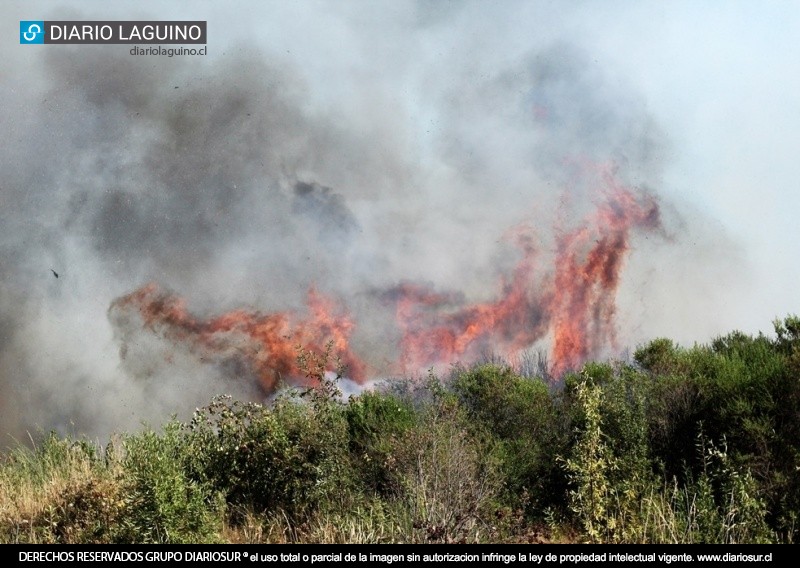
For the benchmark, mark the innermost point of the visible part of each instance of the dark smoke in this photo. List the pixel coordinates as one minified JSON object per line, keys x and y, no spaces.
{"x":222,"y":181}
{"x":335,"y":225}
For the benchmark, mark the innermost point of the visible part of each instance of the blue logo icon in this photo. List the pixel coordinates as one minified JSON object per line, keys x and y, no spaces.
{"x":31,"y":31}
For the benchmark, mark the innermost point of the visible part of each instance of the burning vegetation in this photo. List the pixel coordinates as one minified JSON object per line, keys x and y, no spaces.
{"x":262,"y":344}
{"x":567,"y":298}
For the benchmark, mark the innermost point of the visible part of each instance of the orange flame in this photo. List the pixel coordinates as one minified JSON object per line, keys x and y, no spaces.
{"x":588,"y":266}
{"x":576,"y":301}
{"x":266,"y":343}
{"x":508,"y":324}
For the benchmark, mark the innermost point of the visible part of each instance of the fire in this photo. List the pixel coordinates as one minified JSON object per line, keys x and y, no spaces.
{"x":587,"y":271}
{"x":567,"y":295}
{"x":438,"y":330}
{"x":575,"y":301}
{"x":267,"y":344}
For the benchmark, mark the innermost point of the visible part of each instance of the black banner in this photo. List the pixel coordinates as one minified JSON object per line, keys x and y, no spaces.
{"x":343,"y":555}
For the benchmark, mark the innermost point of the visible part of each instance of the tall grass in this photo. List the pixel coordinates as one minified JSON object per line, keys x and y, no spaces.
{"x":59,"y":491}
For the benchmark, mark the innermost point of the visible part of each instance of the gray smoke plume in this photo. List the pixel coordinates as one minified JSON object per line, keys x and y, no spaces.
{"x":227,"y":182}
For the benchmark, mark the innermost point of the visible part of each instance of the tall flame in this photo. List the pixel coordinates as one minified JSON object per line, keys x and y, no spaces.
{"x":587,"y":271}
{"x":575,"y":301}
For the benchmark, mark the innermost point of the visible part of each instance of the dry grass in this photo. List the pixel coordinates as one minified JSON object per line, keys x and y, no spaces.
{"x":58,"y":492}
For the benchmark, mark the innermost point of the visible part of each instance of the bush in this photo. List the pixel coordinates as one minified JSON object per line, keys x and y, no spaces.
{"x":521,"y":415}
{"x":450,"y":478}
{"x":161,"y":503}
{"x":287,"y":458}
{"x":742,"y":389}
{"x":377,"y":422}
{"x":589,"y":468}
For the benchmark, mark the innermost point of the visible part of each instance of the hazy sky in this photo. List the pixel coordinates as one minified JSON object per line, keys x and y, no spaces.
{"x":417,"y":116}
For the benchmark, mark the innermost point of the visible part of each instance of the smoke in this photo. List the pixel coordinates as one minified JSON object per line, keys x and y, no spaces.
{"x":205,"y":217}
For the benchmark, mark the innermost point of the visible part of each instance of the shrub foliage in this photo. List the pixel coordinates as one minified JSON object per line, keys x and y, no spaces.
{"x":679,"y":444}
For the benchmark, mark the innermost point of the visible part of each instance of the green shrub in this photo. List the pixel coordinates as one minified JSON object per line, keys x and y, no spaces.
{"x":520,"y":414}
{"x":660,"y":356}
{"x":743,"y":389}
{"x":288,"y":458}
{"x":684,"y":445}
{"x":377,"y":422}
{"x":161,"y":503}
{"x":589,"y":468}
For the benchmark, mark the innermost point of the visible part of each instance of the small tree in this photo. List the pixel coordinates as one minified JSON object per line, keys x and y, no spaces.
{"x":589,"y":466}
